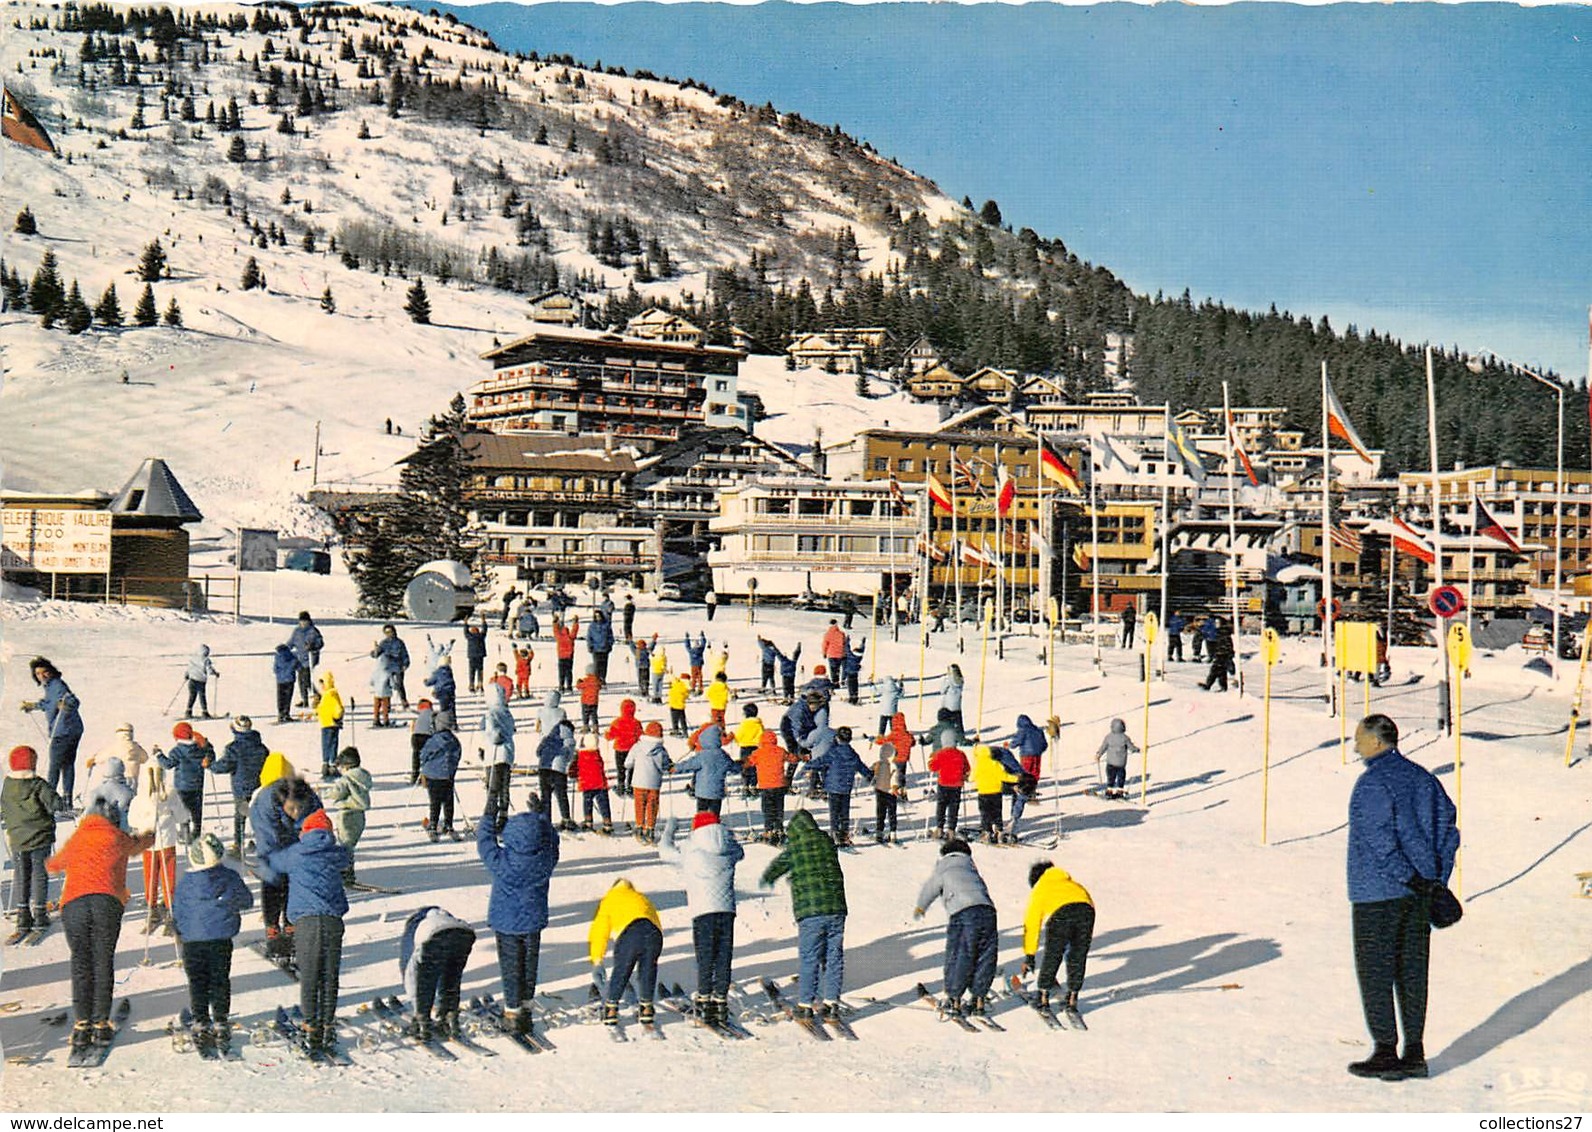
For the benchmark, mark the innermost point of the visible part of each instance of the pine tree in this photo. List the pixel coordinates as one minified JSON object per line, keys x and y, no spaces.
{"x":108,"y":311}
{"x":152,"y":264}
{"x":328,"y":303}
{"x":78,"y":317}
{"x":237,"y":152}
{"x":381,"y":568}
{"x":364,"y":131}
{"x":145,"y":313}
{"x":46,"y":296}
{"x":138,"y":113}
{"x":25,"y":222}
{"x":416,"y":304}
{"x":173,"y":315}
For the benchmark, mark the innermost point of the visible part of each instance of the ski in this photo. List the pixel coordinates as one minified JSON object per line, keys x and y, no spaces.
{"x":944,"y":1015}
{"x":93,"y":1056}
{"x":34,"y":937}
{"x":282,"y":963}
{"x":835,"y":1022}
{"x":1074,"y":1019}
{"x":405,"y":1020}
{"x":361,"y":886}
{"x":1033,"y":1004}
{"x":17,"y":937}
{"x":185,"y":1038}
{"x":490,"y":1014}
{"x":784,"y":1008}
{"x":989,"y":1023}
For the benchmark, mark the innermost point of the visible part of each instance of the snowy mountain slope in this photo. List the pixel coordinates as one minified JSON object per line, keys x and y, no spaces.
{"x":231,"y":398}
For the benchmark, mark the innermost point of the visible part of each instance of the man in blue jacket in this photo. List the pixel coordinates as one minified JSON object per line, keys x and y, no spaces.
{"x":520,"y":861}
{"x":397,"y":655}
{"x":243,"y":759}
{"x":1402,"y":844}
{"x":600,"y":642}
{"x":306,"y":642}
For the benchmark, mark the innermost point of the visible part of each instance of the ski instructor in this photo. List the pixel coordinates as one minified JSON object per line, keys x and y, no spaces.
{"x":1402,"y":844}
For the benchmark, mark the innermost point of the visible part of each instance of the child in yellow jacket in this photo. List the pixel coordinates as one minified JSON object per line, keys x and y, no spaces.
{"x":988,"y":778}
{"x":679,"y":693}
{"x":1064,"y":910}
{"x":628,"y":915}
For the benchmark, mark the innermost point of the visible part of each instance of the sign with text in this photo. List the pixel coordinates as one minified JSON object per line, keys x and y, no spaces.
{"x":55,"y":542}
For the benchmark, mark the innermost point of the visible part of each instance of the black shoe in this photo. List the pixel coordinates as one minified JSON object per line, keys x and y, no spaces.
{"x":82,"y":1036}
{"x":1384,"y":1062}
{"x":647,"y":1014}
{"x":610,"y":1014}
{"x":1413,"y":1063}
{"x":803,"y":1012}
{"x":104,"y":1033}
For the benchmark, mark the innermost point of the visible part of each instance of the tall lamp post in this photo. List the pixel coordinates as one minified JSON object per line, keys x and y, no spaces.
{"x":1558,"y":507}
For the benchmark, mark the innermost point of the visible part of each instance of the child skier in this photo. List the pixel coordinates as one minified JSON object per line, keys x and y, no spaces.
{"x":658,"y":668}
{"x":522,"y":671}
{"x":696,"y":653}
{"x":93,"y":899}
{"x":1062,"y":909}
{"x":989,"y":778}
{"x":188,"y":760}
{"x":890,"y":702}
{"x":718,"y":695}
{"x":971,"y":938}
{"x":709,"y":764}
{"x":381,"y":689}
{"x":475,"y":651}
{"x":951,"y":695}
{"x":949,"y":766}
{"x":520,"y":856}
{"x":396,"y":654}
{"x":748,"y":735}
{"x":851,"y":669}
{"x":629,"y":918}
{"x":432,"y":955}
{"x":112,"y":795}
{"x":564,"y":644}
{"x":590,"y":687}
{"x":285,"y":670}
{"x":818,"y":901}
{"x":419,"y":732}
{"x":316,"y":906}
{"x":788,"y":667}
{"x":497,"y":732}
{"x":306,"y":643}
{"x":624,"y":733}
{"x":679,"y":693}
{"x":774,"y":764}
{"x":593,"y":782}
{"x":208,"y":910}
{"x":160,"y":815}
{"x":123,"y":747}
{"x":501,"y":677}
{"x":889,"y":781}
{"x":198,"y":679}
{"x":347,"y":799}
{"x":27,"y":810}
{"x":649,"y":762}
{"x":840,"y":768}
{"x":439,"y":764}
{"x":708,"y":861}
{"x":768,"y":658}
{"x":1115,"y":749}
{"x":554,"y":754}
{"x":329,"y":711}
{"x":244,"y":759}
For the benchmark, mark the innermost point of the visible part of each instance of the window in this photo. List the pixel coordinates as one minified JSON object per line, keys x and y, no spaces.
{"x":574,"y":545}
{"x":774,"y":544}
{"x":812,"y":507}
{"x":904,"y":465}
{"x":774,"y":506}
{"x":815,"y":544}
{"x":881,"y":463}
{"x":862,"y":508}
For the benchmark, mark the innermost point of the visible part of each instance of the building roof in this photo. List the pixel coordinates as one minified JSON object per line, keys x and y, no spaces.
{"x":155,"y":493}
{"x":682,"y":453}
{"x":555,"y":452}
{"x":552,"y":332}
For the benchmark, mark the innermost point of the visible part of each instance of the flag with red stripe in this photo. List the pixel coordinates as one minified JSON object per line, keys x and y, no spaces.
{"x":1349,"y":540}
{"x":1057,"y":470}
{"x":1005,"y":492}
{"x":1415,"y":544}
{"x":1338,"y":423}
{"x":1238,"y":450}
{"x":896,"y":494}
{"x":1483,"y":522}
{"x":937,"y":494}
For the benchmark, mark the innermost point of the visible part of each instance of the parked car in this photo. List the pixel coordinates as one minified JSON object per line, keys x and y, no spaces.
{"x":669,"y":592}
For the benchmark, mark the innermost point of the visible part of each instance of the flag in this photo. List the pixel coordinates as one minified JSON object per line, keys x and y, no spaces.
{"x":898,"y":496}
{"x":1057,"y":470}
{"x":1338,"y":423}
{"x":991,"y":554}
{"x":1238,"y":450}
{"x":1349,"y":540}
{"x":1104,"y":454}
{"x":1180,"y":449}
{"x":1482,"y":522}
{"x":1415,"y":545}
{"x":931,"y":549}
{"x":973,"y":556}
{"x":937,"y":494}
{"x":1040,"y":545}
{"x":1080,"y":557}
{"x":1005,"y":492}
{"x":963,"y":478}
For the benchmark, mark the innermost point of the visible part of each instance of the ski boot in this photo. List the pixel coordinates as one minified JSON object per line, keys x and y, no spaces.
{"x":699,"y":1007}
{"x":453,"y":834}
{"x":608,"y":829}
{"x":803,"y":1012}
{"x":448,"y":1027}
{"x":420,"y":1029}
{"x":647,"y":1014}
{"x":719,"y":1011}
{"x":204,"y":1037}
{"x":433,"y":836}
{"x":1042,"y":1000}
{"x":223,"y":1032}
{"x":980,"y":1007}
{"x":610,"y":1014}
{"x":510,"y":1022}
{"x":104,"y":1033}
{"x":82,"y":1037}
{"x":951,"y":1007}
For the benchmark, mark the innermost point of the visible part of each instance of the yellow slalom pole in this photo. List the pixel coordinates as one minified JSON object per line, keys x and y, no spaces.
{"x":1151,"y":629}
{"x":983,"y":658}
{"x":1270,"y":649}
{"x":1459,"y":654}
{"x":1580,"y":688}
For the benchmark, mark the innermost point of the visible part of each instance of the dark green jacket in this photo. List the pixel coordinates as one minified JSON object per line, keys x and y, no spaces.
{"x":817,"y":886}
{"x":27,"y":810}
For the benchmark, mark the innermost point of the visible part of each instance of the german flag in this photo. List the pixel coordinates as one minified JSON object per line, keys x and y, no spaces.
{"x":1057,"y":470}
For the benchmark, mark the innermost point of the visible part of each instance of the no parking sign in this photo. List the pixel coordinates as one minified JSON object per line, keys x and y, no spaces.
{"x":1446,"y":601}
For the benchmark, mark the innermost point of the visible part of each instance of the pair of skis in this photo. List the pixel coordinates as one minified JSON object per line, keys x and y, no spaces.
{"x":815,"y":1027}
{"x":93,"y":1056}
{"x":955,"y":1016}
{"x":490,"y":1013}
{"x":1069,"y":1018}
{"x":681,"y":1003}
{"x":185,"y":1038}
{"x":27,"y":937}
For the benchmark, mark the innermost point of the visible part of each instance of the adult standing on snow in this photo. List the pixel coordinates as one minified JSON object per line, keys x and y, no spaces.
{"x":93,"y":898}
{"x":306,"y":642}
{"x":1219,"y":648}
{"x":708,"y":861}
{"x":397,"y":656}
{"x":951,"y":695}
{"x":62,"y":724}
{"x":198,"y":677}
{"x":627,"y":616}
{"x":274,"y":829}
{"x":285,"y":668}
{"x":600,"y":643}
{"x":971,"y":938}
{"x":475,"y":651}
{"x":818,"y":902}
{"x":1130,"y":618}
{"x":1402,"y":844}
{"x":834,"y":649}
{"x":520,"y":856}
{"x":711,"y":601}
{"x":244,"y":759}
{"x":27,"y":809}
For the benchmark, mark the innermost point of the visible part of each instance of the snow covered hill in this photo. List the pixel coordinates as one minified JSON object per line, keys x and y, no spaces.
{"x":231,"y":398}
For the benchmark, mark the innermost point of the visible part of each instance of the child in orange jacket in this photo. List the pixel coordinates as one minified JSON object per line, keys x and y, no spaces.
{"x":522,"y":671}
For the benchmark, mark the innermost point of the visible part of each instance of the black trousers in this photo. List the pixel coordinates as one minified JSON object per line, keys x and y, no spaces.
{"x":416,"y":742}
{"x":715,"y":805}
{"x":196,"y":691}
{"x":566,"y":674}
{"x":636,"y":951}
{"x":439,"y":792}
{"x":840,"y":816}
{"x":497,"y":791}
{"x":767,"y":674}
{"x":319,"y":944}
{"x":518,"y":956}
{"x":1068,"y":934}
{"x":284,"y":699}
{"x":240,"y":820}
{"x":476,"y":665}
{"x":273,"y":904}
{"x":947,"y":805}
{"x":195,"y":801}
{"x":588,"y":716}
{"x":884,"y":813}
{"x":31,"y":883}
{"x":713,"y":935}
{"x":208,"y":965}
{"x":774,"y":810}
{"x":304,"y":689}
{"x":1174,"y":646}
{"x":93,"y":925}
{"x":599,"y":661}
{"x":440,"y":970}
{"x":1392,"y":949}
{"x":989,"y":812}
{"x":555,"y":784}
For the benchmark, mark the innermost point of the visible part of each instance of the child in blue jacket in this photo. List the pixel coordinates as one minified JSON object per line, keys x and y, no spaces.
{"x":840,"y":767}
{"x":520,"y":856}
{"x":208,"y":908}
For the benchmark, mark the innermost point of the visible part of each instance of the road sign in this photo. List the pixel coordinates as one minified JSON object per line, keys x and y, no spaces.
{"x":1270,"y":647}
{"x":1321,"y":609}
{"x":1446,"y":601}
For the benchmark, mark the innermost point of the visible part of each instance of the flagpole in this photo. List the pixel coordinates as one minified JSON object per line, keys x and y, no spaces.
{"x":1470,"y":566}
{"x":1444,"y":718}
{"x":1326,"y":546}
{"x":895,"y":619}
{"x":956,"y":554}
{"x":1094,"y":557}
{"x":1166,"y":541}
{"x":1232,"y":537}
{"x":1000,"y":564}
{"x":1037,"y":603}
{"x":1392,"y":581}
{"x":925,"y":576}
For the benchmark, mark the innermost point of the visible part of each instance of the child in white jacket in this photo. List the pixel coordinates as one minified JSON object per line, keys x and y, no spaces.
{"x":160,"y":811}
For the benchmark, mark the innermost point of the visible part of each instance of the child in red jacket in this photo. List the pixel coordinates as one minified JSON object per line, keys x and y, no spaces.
{"x":624,"y":733}
{"x":522,"y":671}
{"x":593,"y":782}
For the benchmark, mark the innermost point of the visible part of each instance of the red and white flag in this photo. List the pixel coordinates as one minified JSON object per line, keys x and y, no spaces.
{"x":1005,"y":492}
{"x":1483,"y":522}
{"x":1238,"y":450}
{"x":963,"y":478}
{"x":1338,"y":423}
{"x":1413,"y":542}
{"x":931,"y":549}
{"x":1349,"y":540}
{"x":973,"y":555}
{"x":898,"y":496}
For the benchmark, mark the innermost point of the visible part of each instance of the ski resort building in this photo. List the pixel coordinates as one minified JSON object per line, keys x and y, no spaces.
{"x":567,"y":379}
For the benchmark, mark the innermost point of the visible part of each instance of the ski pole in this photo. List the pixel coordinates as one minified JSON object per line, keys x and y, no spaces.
{"x":167,"y":709}
{"x":215,"y":699}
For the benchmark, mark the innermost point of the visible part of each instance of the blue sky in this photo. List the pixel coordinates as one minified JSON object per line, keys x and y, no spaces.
{"x":1424,"y":169}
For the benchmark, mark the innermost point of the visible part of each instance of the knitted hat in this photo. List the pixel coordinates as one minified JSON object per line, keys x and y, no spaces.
{"x":706,"y":817}
{"x":243,"y":723}
{"x":654,"y":728}
{"x":124,"y":729}
{"x":317,"y":820}
{"x":348,"y":756}
{"x":26,"y":758}
{"x":182,"y":731}
{"x":820,"y":670}
{"x":205,"y":852}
